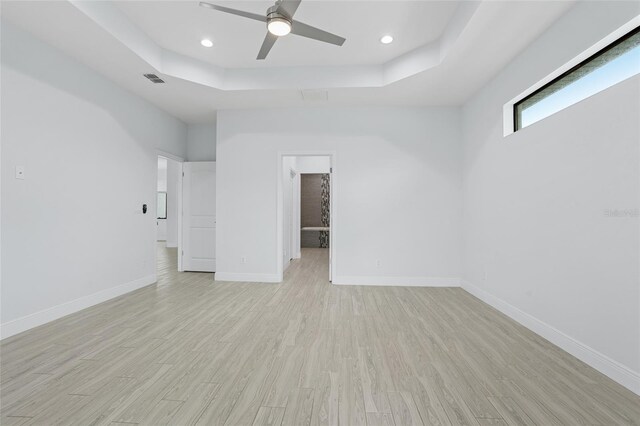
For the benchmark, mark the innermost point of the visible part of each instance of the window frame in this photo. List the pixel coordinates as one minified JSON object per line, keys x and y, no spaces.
{"x":166,"y":204}
{"x":516,"y":117}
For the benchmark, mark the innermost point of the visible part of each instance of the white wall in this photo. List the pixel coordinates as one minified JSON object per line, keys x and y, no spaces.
{"x":72,"y":232}
{"x":161,"y":230}
{"x":162,"y":174}
{"x":201,"y":142}
{"x":397,"y":177}
{"x":313,"y":164}
{"x":288,"y":183}
{"x":538,"y":244}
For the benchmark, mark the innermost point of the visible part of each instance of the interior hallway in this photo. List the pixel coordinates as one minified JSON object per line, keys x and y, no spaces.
{"x":192,"y":351}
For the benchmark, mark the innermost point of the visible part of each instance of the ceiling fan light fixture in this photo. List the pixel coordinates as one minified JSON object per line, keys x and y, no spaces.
{"x":206,"y":42}
{"x":386,"y":39}
{"x":280,"y":22}
{"x":279,"y":26}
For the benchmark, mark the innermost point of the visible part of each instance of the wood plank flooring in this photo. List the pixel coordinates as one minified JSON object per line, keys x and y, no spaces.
{"x":192,"y":351}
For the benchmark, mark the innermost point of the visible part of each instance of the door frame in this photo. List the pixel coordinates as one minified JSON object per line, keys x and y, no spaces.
{"x":292,"y":177}
{"x":179,"y":160}
{"x":333,"y":211}
{"x":296,"y":200}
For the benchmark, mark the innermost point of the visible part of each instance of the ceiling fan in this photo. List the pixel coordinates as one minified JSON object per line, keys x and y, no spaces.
{"x":280,"y":22}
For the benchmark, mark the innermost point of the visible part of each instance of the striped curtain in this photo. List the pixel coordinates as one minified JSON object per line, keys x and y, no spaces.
{"x":325,"y":191}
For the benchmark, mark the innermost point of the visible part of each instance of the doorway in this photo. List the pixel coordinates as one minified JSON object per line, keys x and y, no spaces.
{"x":306,"y":208}
{"x":167,"y":206}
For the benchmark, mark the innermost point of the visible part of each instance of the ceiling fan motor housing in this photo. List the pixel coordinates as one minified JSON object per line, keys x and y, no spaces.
{"x":272,"y":13}
{"x":275,"y":17}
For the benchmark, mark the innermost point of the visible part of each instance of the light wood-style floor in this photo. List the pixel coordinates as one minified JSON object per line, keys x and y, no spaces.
{"x":192,"y":351}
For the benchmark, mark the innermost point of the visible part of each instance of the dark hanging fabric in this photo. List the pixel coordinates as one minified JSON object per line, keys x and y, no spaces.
{"x":325,"y":206}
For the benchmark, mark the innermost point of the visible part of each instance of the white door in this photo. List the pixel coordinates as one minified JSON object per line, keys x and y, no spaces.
{"x":199,"y":217}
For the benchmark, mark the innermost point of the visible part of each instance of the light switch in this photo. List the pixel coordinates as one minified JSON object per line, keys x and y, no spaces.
{"x":19,"y":172}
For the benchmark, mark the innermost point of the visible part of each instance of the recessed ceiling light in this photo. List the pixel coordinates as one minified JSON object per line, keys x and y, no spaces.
{"x":206,"y":42}
{"x":386,"y":39}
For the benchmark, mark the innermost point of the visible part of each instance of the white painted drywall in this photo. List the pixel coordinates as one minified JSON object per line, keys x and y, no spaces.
{"x":162,"y":174}
{"x":73,"y":232}
{"x":161,"y":229}
{"x":538,"y":242}
{"x":313,"y":164}
{"x":288,"y":166}
{"x":201,"y":142}
{"x":397,"y":176}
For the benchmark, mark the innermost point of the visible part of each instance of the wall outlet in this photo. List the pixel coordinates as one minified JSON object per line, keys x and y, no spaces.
{"x":377,"y":263}
{"x":243,"y":260}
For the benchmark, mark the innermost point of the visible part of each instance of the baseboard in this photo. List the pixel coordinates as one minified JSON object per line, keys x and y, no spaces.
{"x":242,"y":277}
{"x":36,"y":319}
{"x":397,"y":281}
{"x":607,"y":366}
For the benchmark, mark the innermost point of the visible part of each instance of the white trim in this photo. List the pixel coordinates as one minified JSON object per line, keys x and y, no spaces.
{"x":36,"y":319}
{"x":398,"y":281}
{"x":248,"y":277}
{"x":507,"y":109}
{"x":295,"y":246}
{"x":607,"y":366}
{"x":170,"y":156}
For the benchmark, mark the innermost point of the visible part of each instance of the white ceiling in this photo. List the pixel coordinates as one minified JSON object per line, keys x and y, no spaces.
{"x":442,"y":61}
{"x":180,"y":25}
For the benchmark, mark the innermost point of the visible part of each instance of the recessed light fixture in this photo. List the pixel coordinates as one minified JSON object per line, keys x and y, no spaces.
{"x":386,"y":39}
{"x":206,"y":42}
{"x":279,"y":26}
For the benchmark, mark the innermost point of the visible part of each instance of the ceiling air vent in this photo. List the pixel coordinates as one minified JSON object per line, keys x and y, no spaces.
{"x":154,"y":78}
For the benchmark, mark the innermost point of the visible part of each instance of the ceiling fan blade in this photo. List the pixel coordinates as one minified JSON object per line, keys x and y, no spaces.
{"x":304,"y":30}
{"x":267,"y":44}
{"x":242,"y":13}
{"x":288,"y":7}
